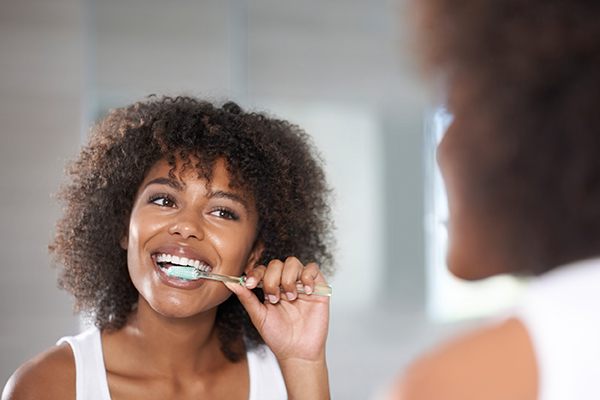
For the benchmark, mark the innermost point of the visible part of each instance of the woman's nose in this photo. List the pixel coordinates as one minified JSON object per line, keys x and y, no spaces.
{"x":187,"y":226}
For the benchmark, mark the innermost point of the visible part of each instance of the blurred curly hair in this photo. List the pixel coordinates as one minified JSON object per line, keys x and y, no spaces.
{"x":523,"y":79}
{"x":271,"y":159}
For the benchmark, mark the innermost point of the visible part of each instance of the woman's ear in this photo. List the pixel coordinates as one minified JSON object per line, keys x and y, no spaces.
{"x":254,"y":256}
{"x":124,"y":242}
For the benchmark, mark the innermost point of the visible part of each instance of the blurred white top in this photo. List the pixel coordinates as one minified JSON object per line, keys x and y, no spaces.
{"x":561,"y":311}
{"x":266,"y":381}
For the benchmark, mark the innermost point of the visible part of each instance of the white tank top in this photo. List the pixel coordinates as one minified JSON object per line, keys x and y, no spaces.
{"x":266,"y":381}
{"x":561,"y":311}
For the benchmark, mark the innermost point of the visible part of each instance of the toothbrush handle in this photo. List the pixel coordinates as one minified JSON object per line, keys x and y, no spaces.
{"x":320,"y":289}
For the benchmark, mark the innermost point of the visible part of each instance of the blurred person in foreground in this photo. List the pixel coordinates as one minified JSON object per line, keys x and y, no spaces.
{"x":521,"y":164}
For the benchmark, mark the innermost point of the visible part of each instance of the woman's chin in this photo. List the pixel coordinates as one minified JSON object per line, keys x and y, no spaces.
{"x":171,"y":310}
{"x":172,"y":307}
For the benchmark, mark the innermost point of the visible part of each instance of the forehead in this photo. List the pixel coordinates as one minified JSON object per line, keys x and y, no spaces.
{"x":186,"y":173}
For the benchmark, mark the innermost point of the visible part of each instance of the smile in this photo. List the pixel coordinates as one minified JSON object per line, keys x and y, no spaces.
{"x":165,"y":261}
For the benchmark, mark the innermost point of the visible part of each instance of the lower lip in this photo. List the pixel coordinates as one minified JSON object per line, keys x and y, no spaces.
{"x":177,"y":282}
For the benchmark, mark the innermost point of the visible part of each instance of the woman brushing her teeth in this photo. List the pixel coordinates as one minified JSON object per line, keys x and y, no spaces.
{"x":173,"y":182}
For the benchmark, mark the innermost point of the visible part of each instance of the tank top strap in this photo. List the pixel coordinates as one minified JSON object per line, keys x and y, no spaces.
{"x":90,"y":381}
{"x":560,"y":313}
{"x":266,"y":380}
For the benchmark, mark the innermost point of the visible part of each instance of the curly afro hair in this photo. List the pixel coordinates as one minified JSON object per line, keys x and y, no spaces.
{"x":523,"y":79}
{"x":271,"y":159}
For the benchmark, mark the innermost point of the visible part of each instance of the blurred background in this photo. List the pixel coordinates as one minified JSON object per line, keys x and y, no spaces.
{"x":344,"y":70}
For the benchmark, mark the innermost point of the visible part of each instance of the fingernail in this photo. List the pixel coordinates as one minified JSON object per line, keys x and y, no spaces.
{"x":272,"y":298}
{"x":290,"y":295}
{"x":307,"y":289}
{"x":250,"y":282}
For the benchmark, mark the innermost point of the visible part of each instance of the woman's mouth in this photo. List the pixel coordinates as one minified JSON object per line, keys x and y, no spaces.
{"x":166,"y":261}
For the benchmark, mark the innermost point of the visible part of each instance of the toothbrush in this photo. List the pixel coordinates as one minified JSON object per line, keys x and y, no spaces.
{"x":191,"y":274}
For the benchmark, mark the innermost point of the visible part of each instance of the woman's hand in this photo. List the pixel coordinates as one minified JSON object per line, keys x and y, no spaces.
{"x":293,"y":325}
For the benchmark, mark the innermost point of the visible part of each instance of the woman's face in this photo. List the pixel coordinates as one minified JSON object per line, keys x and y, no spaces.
{"x":213,"y":226}
{"x":474,"y":235}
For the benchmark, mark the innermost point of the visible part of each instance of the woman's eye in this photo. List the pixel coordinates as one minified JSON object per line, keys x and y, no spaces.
{"x":225,"y":213}
{"x":162,"y":200}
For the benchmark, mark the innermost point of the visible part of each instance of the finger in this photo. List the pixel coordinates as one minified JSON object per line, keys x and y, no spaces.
{"x":292,"y":269}
{"x":310,"y":275}
{"x":256,"y":310}
{"x":272,"y":281}
{"x":254,"y":276}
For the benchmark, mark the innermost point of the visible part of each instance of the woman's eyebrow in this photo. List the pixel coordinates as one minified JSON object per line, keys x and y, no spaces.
{"x":175,"y":184}
{"x":228,"y":195}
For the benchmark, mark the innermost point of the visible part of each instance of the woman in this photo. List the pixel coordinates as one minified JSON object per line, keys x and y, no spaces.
{"x":173,"y":182}
{"x":521,"y":163}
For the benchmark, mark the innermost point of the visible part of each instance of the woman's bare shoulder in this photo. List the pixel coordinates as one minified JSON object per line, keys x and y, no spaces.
{"x":49,"y":375}
{"x":496,"y":362}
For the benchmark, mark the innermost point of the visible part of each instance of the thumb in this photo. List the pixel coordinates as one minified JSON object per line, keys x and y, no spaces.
{"x":256,"y":310}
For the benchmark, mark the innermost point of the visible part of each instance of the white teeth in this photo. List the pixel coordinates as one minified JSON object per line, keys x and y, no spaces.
{"x":171,"y":259}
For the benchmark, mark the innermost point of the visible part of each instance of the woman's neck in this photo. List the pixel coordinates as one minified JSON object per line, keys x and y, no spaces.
{"x":168,"y":346}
